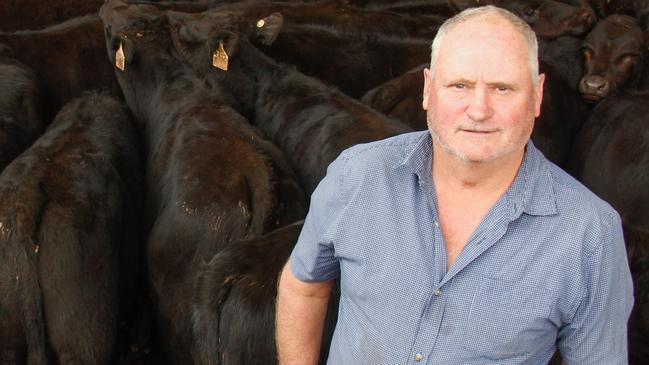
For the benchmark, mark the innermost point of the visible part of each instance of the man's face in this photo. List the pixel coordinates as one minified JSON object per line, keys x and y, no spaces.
{"x":481,"y":102}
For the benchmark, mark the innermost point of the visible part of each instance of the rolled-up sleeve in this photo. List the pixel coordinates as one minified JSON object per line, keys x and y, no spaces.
{"x":313,"y":259}
{"x":597,"y":333}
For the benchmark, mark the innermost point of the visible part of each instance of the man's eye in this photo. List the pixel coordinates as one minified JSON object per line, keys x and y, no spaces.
{"x":459,"y":86}
{"x":502,"y":89}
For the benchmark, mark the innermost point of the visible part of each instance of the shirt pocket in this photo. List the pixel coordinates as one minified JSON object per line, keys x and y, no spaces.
{"x":508,"y":320}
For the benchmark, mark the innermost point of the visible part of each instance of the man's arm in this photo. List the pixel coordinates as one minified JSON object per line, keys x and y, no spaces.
{"x":301,"y":310}
{"x":597,"y":333}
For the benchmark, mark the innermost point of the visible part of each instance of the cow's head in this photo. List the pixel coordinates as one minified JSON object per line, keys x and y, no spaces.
{"x":138,"y":46}
{"x":213,"y":39}
{"x":641,"y":10}
{"x":613,"y":54}
{"x":554,"y":18}
{"x":548,"y":18}
{"x":640,"y":7}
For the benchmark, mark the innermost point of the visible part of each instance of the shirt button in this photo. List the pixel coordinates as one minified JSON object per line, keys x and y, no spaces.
{"x":437,"y":292}
{"x":437,"y":224}
{"x":419,"y":357}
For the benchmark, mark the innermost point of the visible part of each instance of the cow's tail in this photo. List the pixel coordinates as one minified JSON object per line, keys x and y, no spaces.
{"x":33,"y":314}
{"x":25,"y":232}
{"x":206,"y":318}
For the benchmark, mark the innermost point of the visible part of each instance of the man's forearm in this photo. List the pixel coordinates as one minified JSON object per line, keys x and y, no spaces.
{"x":301,"y":310}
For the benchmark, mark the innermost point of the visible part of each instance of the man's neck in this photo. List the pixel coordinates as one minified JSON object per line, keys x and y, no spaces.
{"x":454,"y":175}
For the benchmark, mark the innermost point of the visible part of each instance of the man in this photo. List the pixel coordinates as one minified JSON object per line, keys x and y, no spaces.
{"x":463,"y":244}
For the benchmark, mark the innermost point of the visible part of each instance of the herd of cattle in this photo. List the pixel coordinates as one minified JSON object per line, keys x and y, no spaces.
{"x":157,"y":157}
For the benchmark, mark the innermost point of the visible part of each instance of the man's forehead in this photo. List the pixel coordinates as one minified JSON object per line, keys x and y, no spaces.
{"x":483,"y":23}
{"x":490,"y":46}
{"x":489,"y":27}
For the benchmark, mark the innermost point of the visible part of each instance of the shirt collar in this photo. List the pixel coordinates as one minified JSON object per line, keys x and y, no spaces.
{"x":531,"y":192}
{"x":419,"y":158}
{"x":532,"y":188}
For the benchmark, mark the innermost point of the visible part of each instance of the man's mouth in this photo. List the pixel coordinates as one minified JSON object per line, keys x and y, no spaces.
{"x":478,"y":131}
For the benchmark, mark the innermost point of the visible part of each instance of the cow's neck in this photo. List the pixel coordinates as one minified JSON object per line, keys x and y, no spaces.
{"x":248,"y":78}
{"x":273,"y":88}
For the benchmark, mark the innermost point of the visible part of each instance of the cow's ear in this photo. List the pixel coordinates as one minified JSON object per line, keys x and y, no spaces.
{"x":187,"y":32}
{"x":230,"y":43}
{"x":190,"y":34}
{"x":120,"y":50}
{"x":223,"y":48}
{"x":267,"y":29}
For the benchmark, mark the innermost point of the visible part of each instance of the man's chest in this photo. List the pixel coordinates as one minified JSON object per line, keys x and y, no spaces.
{"x":394,"y":284}
{"x":460,"y":214}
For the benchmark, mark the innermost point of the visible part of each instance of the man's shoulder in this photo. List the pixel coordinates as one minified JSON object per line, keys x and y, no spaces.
{"x":373,"y":162}
{"x":570,"y":191}
{"x":578,"y":205}
{"x":386,"y":151}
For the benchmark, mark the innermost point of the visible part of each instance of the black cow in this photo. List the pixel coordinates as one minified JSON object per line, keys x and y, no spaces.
{"x":20,"y":109}
{"x":373,"y":46}
{"x":335,"y":14}
{"x":234,"y":307}
{"x":563,"y":112}
{"x":211,"y":179}
{"x":37,"y":14}
{"x":611,"y":157}
{"x":641,"y":12}
{"x":548,"y":18}
{"x":354,"y":62}
{"x":400,"y":98}
{"x":604,"y":8}
{"x":293,"y":110}
{"x":68,"y":223}
{"x":613,"y":54}
{"x":68,"y":58}
{"x":438,"y":7}
{"x":342,"y":17}
{"x":564,"y":55}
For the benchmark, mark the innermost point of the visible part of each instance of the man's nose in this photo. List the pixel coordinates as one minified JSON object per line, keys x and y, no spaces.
{"x":479,"y":107}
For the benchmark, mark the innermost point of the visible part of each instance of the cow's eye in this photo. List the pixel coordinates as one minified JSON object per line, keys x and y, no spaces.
{"x":628,"y":60}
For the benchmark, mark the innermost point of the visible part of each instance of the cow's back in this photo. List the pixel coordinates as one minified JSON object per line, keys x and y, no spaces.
{"x":66,"y":209}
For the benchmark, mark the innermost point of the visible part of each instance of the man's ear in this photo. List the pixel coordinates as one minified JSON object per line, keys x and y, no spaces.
{"x":428,"y":81}
{"x":267,"y":29}
{"x":538,"y":94}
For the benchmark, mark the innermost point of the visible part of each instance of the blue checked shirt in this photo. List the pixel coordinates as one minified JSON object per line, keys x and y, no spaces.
{"x":545,"y":268}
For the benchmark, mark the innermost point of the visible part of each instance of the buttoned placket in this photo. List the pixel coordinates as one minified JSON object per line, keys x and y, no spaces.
{"x":431,"y":318}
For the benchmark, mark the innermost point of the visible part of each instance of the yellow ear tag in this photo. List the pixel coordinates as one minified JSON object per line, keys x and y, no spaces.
{"x":220,"y":58}
{"x":119,"y":57}
{"x":261,"y":23}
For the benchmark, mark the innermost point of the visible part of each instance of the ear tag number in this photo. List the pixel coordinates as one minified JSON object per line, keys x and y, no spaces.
{"x":120,"y":60}
{"x":220,"y":58}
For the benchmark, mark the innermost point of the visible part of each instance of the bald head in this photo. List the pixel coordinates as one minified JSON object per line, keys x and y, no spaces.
{"x":487,"y":19}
